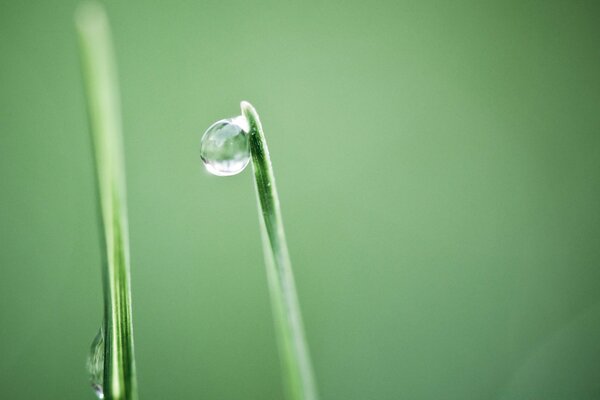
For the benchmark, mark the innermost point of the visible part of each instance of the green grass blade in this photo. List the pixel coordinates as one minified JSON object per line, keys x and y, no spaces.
{"x":297,"y":369}
{"x":102,"y":96}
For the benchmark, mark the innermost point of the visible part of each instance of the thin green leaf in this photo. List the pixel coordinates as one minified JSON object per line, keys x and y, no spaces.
{"x":296,"y":364}
{"x":103,"y":105}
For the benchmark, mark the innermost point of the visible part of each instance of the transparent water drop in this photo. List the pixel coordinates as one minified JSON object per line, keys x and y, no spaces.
{"x":225,"y":148}
{"x":95,"y":364}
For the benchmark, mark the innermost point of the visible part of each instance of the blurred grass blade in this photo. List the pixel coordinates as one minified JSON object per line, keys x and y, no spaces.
{"x":295,"y":359}
{"x":101,"y":86}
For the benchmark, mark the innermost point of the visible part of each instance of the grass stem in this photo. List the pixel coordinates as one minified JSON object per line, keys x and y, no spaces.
{"x":100,"y":80}
{"x":297,"y":369}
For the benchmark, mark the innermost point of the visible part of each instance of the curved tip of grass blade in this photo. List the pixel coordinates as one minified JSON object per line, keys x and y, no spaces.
{"x":101,"y":88}
{"x":295,"y":360}
{"x":90,"y":15}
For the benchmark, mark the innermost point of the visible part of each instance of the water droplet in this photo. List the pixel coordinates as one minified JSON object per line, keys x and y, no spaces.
{"x":95,"y":364}
{"x":224,"y":148}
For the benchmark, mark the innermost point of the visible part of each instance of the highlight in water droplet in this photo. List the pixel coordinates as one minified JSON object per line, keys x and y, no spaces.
{"x":225,"y":148}
{"x":95,"y":364}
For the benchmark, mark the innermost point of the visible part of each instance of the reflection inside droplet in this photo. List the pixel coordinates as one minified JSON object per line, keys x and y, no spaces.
{"x":95,"y":364}
{"x":224,"y":147}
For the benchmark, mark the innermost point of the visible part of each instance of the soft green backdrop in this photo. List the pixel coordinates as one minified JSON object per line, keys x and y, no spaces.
{"x":438,"y":165}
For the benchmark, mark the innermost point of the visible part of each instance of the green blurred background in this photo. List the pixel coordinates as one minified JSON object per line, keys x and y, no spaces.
{"x":438,"y":165}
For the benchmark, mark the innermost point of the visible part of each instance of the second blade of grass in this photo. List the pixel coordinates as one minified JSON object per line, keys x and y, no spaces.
{"x":101,"y":86}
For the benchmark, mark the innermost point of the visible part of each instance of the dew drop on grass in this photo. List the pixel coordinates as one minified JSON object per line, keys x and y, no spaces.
{"x":224,"y":147}
{"x":95,"y":364}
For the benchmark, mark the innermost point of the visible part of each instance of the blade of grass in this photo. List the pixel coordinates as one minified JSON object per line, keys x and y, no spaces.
{"x":297,"y":369}
{"x":103,"y":105}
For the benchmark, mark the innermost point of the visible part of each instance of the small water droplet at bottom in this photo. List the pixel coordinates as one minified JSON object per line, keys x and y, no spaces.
{"x":95,"y":364}
{"x":98,"y":390}
{"x":225,"y":148}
